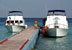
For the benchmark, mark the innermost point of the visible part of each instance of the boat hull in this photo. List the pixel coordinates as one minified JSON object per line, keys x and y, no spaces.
{"x":56,"y":32}
{"x":15,"y":28}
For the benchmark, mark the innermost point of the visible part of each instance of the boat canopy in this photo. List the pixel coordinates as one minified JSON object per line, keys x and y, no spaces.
{"x":56,"y":12}
{"x":15,"y":13}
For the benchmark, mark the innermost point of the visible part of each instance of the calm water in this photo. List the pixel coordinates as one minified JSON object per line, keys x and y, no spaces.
{"x":64,"y":43}
{"x":4,"y":33}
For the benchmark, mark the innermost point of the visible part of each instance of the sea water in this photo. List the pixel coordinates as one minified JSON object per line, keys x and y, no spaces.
{"x":64,"y":43}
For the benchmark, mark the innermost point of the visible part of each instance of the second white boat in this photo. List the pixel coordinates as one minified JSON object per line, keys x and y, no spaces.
{"x":56,"y":23}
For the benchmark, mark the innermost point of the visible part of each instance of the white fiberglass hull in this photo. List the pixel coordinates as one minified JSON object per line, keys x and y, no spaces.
{"x":14,"y":28}
{"x":57,"y":32}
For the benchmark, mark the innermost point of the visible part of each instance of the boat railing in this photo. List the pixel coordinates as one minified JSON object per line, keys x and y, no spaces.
{"x":58,"y":24}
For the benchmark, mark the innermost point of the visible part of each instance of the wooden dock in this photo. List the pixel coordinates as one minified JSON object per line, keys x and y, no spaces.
{"x":18,"y":41}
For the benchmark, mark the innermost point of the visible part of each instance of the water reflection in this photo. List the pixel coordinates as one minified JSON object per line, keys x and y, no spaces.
{"x":60,"y":39}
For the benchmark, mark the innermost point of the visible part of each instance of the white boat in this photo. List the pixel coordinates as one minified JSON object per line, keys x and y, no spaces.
{"x":15,"y":21}
{"x":56,"y":23}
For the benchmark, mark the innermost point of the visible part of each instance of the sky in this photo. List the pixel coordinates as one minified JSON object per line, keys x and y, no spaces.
{"x":35,"y":8}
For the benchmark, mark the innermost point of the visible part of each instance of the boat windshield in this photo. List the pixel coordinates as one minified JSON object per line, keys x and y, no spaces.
{"x":18,"y":21}
{"x":15,"y":13}
{"x":56,"y":12}
{"x":10,"y":22}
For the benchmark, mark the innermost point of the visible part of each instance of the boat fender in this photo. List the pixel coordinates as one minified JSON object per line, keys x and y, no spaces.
{"x":26,"y":26}
{"x":43,"y":31}
{"x":46,"y":27}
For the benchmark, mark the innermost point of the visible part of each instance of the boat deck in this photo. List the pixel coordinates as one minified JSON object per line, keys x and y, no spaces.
{"x":18,"y":41}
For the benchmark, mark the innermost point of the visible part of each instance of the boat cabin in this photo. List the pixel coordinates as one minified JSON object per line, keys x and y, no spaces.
{"x":56,"y":19}
{"x":15,"y":18}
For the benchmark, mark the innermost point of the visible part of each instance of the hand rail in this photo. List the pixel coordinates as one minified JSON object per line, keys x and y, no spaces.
{"x":58,"y":24}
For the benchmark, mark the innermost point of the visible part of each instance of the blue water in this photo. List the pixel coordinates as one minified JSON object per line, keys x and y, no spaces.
{"x":64,"y":43}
